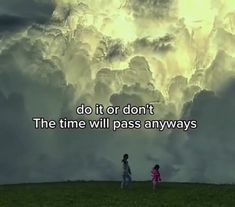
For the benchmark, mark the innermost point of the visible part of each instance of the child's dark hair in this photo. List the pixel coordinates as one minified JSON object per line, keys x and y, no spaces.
{"x":125,"y":157}
{"x":156,"y":167}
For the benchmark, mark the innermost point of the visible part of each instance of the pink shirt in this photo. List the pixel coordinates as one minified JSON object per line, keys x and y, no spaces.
{"x":155,"y":175}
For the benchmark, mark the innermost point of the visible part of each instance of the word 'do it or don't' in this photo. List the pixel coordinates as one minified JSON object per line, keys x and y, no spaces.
{"x":141,"y":119}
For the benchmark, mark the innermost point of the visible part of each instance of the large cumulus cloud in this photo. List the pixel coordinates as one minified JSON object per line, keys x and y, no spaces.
{"x":207,"y":152}
{"x":67,"y":57}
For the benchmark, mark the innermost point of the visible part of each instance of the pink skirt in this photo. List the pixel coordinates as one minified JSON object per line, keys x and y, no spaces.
{"x":155,"y":182}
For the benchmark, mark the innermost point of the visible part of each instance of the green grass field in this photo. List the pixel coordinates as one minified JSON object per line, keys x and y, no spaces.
{"x":109,"y":194}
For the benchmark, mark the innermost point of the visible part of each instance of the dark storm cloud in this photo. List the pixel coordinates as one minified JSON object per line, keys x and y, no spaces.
{"x":110,"y":50}
{"x":13,"y":130}
{"x":158,"y":9}
{"x":35,"y":71}
{"x":215,"y":115}
{"x":161,"y":45}
{"x":32,"y":86}
{"x":17,"y":14}
{"x":124,"y":99}
{"x":23,"y":96}
{"x":12,"y":23}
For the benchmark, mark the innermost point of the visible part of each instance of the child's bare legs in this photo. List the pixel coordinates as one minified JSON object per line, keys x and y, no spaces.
{"x":154,"y":185}
{"x":126,"y":180}
{"x":123,"y":183}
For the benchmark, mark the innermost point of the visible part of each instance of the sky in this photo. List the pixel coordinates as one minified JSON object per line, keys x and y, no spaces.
{"x":58,"y":54}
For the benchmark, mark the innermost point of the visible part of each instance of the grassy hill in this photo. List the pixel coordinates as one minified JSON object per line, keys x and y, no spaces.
{"x":109,"y":194}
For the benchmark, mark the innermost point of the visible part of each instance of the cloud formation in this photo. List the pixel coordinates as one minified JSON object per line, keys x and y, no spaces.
{"x":65,"y":53}
{"x":16,"y":16}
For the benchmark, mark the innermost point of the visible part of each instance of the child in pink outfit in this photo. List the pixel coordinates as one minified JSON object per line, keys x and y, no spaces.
{"x":156,"y":177}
